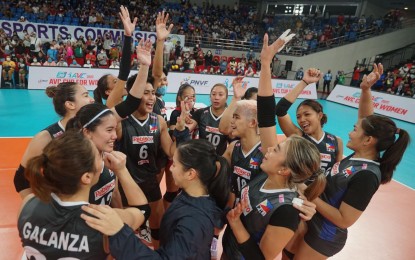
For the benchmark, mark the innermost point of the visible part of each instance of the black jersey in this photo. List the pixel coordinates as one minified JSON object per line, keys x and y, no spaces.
{"x":141,"y":143}
{"x":55,"y":230}
{"x":55,"y":130}
{"x":160,"y":108}
{"x":328,"y":147}
{"x":245,"y":167}
{"x":208,"y":125}
{"x":101,"y":193}
{"x":256,"y":216}
{"x":338,"y":184}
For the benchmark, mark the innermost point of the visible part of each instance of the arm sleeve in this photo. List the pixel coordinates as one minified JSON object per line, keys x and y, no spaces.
{"x":285,"y":216}
{"x":125,"y":64}
{"x":250,"y":250}
{"x":361,"y":189}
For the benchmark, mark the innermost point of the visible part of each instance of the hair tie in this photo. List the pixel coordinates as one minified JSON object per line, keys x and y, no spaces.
{"x":398,"y":130}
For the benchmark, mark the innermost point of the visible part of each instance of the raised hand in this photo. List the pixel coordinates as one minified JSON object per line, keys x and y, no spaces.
{"x":104,"y":219}
{"x":312,"y":75}
{"x":143,"y":50}
{"x":234,"y":214}
{"x":181,"y":120}
{"x":369,"y":80}
{"x":269,"y":51}
{"x":161,"y":26}
{"x":239,"y":87}
{"x":129,"y":26}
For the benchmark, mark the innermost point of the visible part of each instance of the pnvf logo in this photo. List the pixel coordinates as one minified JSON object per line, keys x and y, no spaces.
{"x":185,"y":80}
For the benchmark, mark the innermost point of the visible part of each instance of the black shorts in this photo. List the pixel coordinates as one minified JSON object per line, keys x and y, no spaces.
{"x":150,"y":188}
{"x":324,"y":247}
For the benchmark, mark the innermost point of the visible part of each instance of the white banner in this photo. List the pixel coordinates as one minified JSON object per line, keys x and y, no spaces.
{"x":402,"y":108}
{"x":49,"y":32}
{"x":42,"y":77}
{"x":204,"y":82}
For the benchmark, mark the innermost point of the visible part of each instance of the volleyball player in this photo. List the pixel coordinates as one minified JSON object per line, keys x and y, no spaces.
{"x":61,"y":177}
{"x":186,"y":229}
{"x":378,"y":146}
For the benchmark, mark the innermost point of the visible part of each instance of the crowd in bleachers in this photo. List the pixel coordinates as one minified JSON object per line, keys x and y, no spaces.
{"x":318,"y":30}
{"x":399,"y":80}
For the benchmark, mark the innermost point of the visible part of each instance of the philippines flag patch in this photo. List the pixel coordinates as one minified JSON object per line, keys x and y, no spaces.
{"x":330,"y":147}
{"x":254,"y":163}
{"x":264,"y":207}
{"x":349,"y":171}
{"x":153,"y":128}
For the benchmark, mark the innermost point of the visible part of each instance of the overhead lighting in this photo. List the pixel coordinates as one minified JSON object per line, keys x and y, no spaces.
{"x":406,"y":8}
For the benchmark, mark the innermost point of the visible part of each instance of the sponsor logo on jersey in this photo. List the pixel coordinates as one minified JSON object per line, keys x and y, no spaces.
{"x":58,"y":134}
{"x":364,"y":166}
{"x":245,"y":197}
{"x":59,"y":240}
{"x":349,"y":171}
{"x":254,"y":163}
{"x":242,"y":172}
{"x":104,"y":190}
{"x":264,"y":207}
{"x":141,"y":162}
{"x":330,"y":147}
{"x":153,"y":128}
{"x":213,"y":130}
{"x":143,"y":139}
{"x":153,"y":116}
{"x":325,"y":157}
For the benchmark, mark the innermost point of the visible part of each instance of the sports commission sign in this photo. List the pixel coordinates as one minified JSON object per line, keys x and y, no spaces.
{"x":402,"y":108}
{"x":204,"y":82}
{"x":49,"y":32}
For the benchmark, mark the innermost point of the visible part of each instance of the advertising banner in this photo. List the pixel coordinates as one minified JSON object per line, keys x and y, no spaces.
{"x":399,"y":107}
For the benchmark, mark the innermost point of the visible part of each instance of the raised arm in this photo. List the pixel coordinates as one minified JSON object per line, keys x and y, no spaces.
{"x":133,"y":99}
{"x":365,"y":102}
{"x":118,"y":92}
{"x":162,"y":32}
{"x":287,"y":125}
{"x":266,"y":100}
{"x":239,"y":89}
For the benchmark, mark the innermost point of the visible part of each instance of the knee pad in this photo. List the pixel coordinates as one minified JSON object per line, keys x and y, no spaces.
{"x":170,"y":195}
{"x":155,"y":233}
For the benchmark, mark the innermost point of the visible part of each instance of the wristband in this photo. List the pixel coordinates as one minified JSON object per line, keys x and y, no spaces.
{"x":282,"y":107}
{"x":181,"y":136}
{"x":305,"y":82}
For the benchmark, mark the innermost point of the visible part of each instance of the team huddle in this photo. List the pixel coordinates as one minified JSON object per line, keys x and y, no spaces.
{"x":90,"y":183}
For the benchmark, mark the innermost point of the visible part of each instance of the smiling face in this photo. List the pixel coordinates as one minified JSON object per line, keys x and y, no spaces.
{"x":104,"y":135}
{"x":81,"y":97}
{"x":356,"y":137}
{"x":147,"y":100}
{"x":308,"y":119}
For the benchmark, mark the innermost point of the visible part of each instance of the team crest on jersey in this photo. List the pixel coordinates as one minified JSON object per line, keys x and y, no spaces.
{"x":264,"y":207}
{"x":153,"y":128}
{"x":254,"y":163}
{"x":330,"y":147}
{"x":242,"y":172}
{"x":143,"y":139}
{"x":245,"y":197}
{"x":349,"y":171}
{"x":58,"y":134}
{"x":281,"y":198}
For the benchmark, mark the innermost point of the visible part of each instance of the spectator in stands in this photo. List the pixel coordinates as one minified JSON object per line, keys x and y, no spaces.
{"x":299,"y":74}
{"x":114,"y":53}
{"x":186,"y":64}
{"x":52,"y":52}
{"x":102,"y":58}
{"x":208,"y":58}
{"x":250,"y":55}
{"x":49,"y":62}
{"x":74,"y":64}
{"x":249,"y":72}
{"x":35,"y":44}
{"x":35,"y":62}
{"x":62,"y":62}
{"x":192,"y":64}
{"x":91,"y":57}
{"x":355,"y":77}
{"x":115,"y":64}
{"x":79,"y":49}
{"x":178,"y":50}
{"x":168,"y":47}
{"x":88,"y":64}
{"x":41,"y":58}
{"x":8,"y":68}
{"x":108,"y":42}
{"x":22,"y":66}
